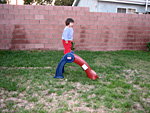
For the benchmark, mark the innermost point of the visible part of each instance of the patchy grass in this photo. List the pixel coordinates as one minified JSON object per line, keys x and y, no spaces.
{"x":27,"y":84}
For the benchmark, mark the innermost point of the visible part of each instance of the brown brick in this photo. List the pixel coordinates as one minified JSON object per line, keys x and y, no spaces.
{"x":44,"y":41}
{"x":52,"y":12}
{"x":39,"y":17}
{"x":33,"y":11}
{"x":45,"y":31}
{"x":62,"y":13}
{"x":39,"y":36}
{"x":57,"y":36}
{"x":54,"y":31}
{"x":89,"y":22}
{"x":30,"y":17}
{"x":18,"y":6}
{"x":1,"y":16}
{"x":48,"y":17}
{"x":7,"y":6}
{"x":39,"y":7}
{"x":24,"y":21}
{"x":1,"y":5}
{"x":67,"y":7}
{"x":49,"y":7}
{"x":34,"y":41}
{"x":76,"y":18}
{"x":92,"y":26}
{"x":58,"y":8}
{"x":19,"y":17}
{"x":4,"y":11}
{"x":85,"y":8}
{"x":80,"y":22}
{"x":80,"y":13}
{"x":19,"y":47}
{"x":28,"y":26}
{"x":44,"y":21}
{"x":49,"y":36}
{"x":2,"y":46}
{"x":76,"y":9}
{"x":93,"y":18}
{"x":34,"y":31}
{"x":58,"y":17}
{"x":39,"y":26}
{"x":34,"y":21}
{"x":2,"y":26}
{"x":28,"y":36}
{"x":39,"y":46}
{"x":53,"y":22}
{"x":24,"y":41}
{"x":14,"y":22}
{"x":49,"y":26}
{"x":29,"y":6}
{"x":43,"y":12}
{"x":13,"y":11}
{"x":30,"y":46}
{"x":4,"y":42}
{"x":49,"y":45}
{"x":84,"y":17}
{"x":23,"y":12}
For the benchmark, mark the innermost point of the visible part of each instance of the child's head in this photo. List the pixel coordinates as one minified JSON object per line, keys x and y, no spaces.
{"x":69,"y":22}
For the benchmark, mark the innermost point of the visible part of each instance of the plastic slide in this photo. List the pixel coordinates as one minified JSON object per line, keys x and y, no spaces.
{"x":71,"y":57}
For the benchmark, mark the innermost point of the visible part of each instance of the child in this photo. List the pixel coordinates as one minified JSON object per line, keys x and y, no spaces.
{"x":67,"y":35}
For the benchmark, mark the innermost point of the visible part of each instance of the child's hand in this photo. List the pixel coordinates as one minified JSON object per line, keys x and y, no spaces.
{"x":66,"y":42}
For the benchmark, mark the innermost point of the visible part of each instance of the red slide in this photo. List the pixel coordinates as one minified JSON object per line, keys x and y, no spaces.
{"x":90,"y":73}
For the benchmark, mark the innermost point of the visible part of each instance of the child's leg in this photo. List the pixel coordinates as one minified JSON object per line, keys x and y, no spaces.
{"x":67,"y":47}
{"x":64,"y":44}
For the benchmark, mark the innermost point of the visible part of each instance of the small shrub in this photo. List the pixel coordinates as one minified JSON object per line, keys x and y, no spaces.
{"x":72,"y":47}
{"x":148,"y":46}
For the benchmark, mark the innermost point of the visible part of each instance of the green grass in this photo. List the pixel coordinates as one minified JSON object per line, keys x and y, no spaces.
{"x":28,"y":86}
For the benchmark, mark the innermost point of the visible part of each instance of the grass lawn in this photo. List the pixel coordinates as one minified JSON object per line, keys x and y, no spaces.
{"x":27,"y":83}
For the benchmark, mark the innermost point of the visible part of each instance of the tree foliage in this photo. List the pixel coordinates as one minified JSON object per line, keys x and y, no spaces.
{"x":64,"y":2}
{"x":28,"y":1}
{"x":3,"y":1}
{"x":57,"y":2}
{"x":40,"y":2}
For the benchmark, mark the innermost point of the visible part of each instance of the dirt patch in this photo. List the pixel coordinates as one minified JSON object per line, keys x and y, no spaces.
{"x":51,"y":102}
{"x":137,"y":106}
{"x":25,"y":67}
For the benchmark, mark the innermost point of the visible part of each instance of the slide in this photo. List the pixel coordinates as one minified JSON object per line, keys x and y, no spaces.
{"x":71,"y":57}
{"x":90,"y":73}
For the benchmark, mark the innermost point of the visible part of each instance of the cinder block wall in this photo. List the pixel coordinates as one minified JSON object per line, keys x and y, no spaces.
{"x":30,"y":27}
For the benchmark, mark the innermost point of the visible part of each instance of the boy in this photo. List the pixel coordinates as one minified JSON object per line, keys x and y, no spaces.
{"x":67,"y":35}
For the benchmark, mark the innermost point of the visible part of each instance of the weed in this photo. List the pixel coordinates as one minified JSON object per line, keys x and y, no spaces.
{"x":148,"y":46}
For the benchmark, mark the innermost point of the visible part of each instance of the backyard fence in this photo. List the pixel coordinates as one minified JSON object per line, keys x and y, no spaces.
{"x":28,"y":27}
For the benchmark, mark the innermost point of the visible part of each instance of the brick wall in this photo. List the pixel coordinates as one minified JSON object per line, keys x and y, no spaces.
{"x":40,"y":27}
